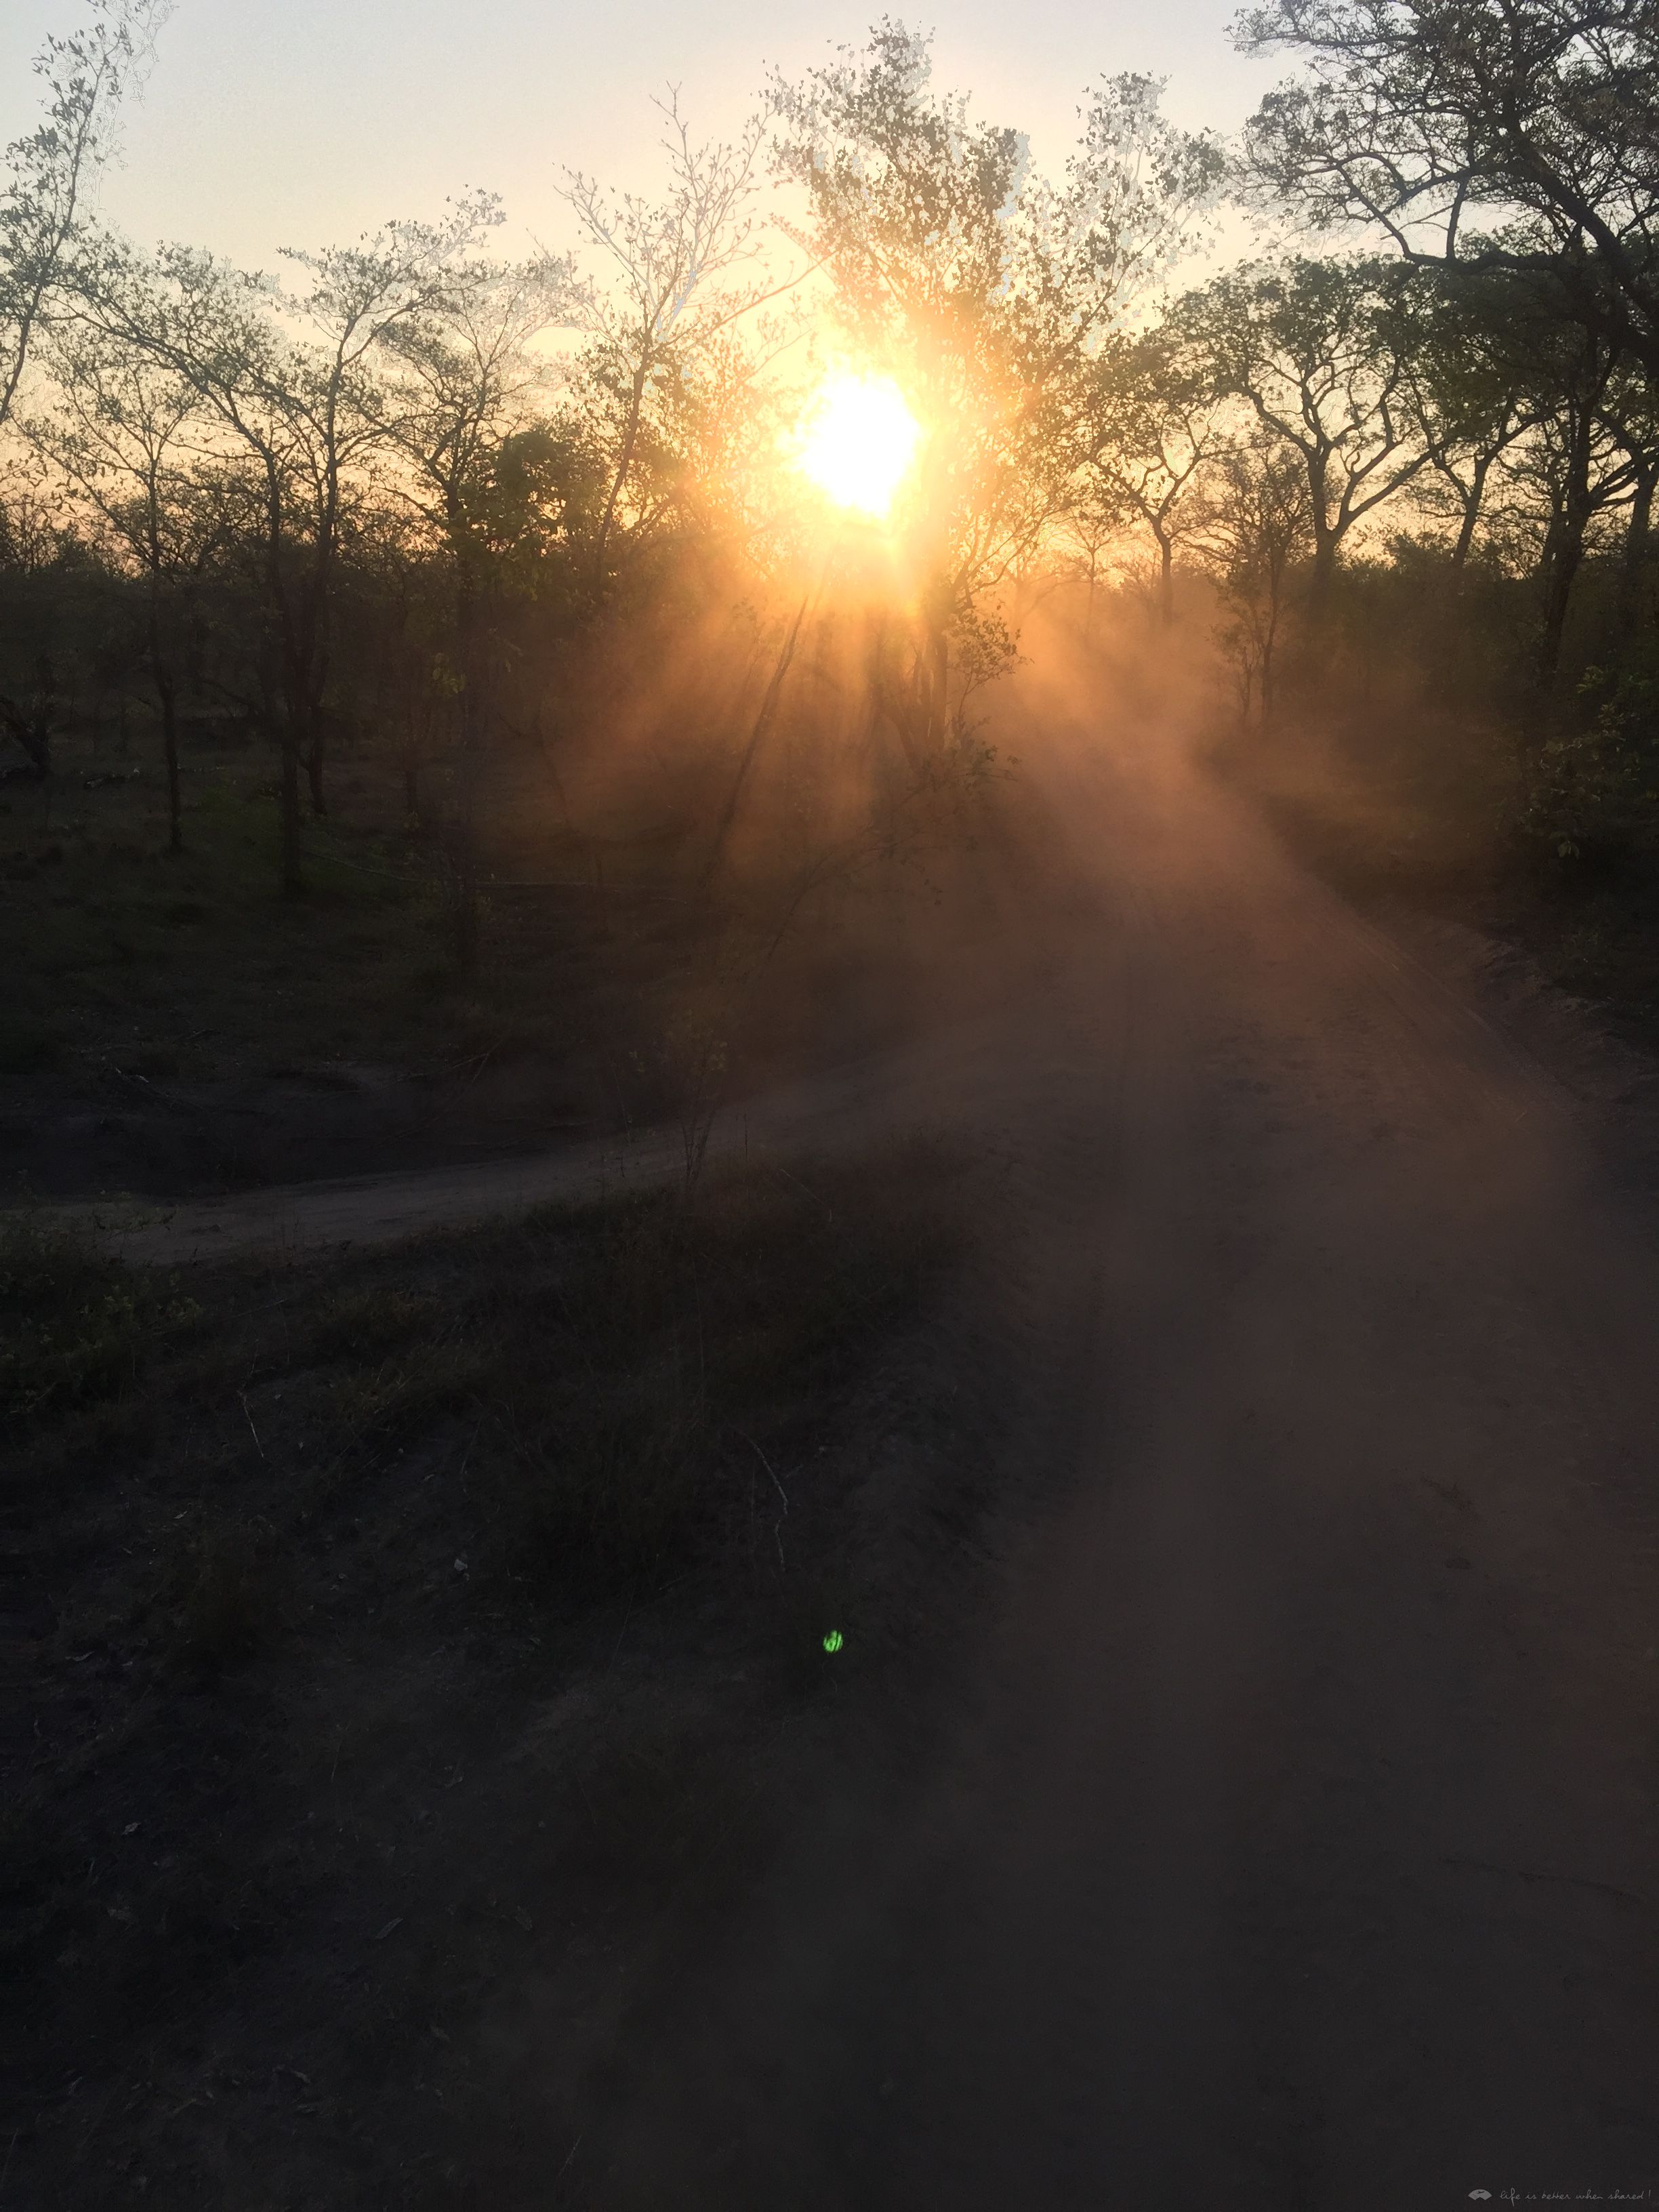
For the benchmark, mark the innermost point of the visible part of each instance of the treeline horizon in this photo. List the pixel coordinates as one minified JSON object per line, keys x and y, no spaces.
{"x":417,"y":499}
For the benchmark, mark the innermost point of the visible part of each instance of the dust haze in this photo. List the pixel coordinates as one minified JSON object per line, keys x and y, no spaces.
{"x":827,"y":1273}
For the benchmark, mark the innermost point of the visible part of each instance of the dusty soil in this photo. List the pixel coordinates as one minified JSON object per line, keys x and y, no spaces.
{"x":422,"y":1647}
{"x":1416,"y":834}
{"x":1275,"y":1825}
{"x":860,"y":1101}
{"x":1297,"y":1846}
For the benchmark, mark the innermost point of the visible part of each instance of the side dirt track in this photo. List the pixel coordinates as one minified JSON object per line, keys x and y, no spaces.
{"x":840,"y":1111}
{"x":1256,"y":1803}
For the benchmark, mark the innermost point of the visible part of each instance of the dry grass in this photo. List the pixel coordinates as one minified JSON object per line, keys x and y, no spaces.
{"x":234,"y":1037}
{"x":411,"y":1633}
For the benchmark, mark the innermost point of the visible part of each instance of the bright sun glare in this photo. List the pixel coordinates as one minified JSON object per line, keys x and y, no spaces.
{"x":860,"y":437}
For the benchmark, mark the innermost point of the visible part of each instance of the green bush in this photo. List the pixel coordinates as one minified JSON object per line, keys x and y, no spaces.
{"x":1590,"y":793}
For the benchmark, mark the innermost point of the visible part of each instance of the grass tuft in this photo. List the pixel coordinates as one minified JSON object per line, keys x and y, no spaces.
{"x":75,"y":1325}
{"x":372,"y":1321}
{"x":402,"y":1399}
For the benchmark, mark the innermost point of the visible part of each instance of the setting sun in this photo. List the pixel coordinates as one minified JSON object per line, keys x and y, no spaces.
{"x":859,"y":439}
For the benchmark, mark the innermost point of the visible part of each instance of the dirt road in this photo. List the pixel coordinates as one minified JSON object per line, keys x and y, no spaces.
{"x":1298,"y":1845}
{"x":1289,"y":1840}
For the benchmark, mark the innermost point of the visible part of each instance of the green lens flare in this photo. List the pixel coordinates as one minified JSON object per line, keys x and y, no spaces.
{"x":833,"y":1641}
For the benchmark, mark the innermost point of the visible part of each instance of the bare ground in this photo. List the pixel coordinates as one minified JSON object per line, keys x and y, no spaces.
{"x":1298,"y":1845}
{"x":1282,"y":1831}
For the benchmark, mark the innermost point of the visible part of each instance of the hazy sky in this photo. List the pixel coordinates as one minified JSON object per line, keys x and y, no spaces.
{"x":268,"y":123}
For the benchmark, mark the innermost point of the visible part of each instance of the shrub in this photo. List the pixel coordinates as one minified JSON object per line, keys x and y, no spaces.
{"x":1591,"y":792}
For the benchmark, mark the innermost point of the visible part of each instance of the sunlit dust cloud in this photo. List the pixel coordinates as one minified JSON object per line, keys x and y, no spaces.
{"x":858,"y":441}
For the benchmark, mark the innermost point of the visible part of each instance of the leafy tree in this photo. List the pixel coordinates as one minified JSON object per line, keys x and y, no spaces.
{"x":1471,"y":393}
{"x":1417,"y":115}
{"x":1158,"y":432}
{"x":125,"y":434}
{"x":40,"y":562}
{"x":1259,"y":532}
{"x":985,"y":291}
{"x":1574,"y":464}
{"x":678,"y":274}
{"x":43,"y":218}
{"x":294,"y":386}
{"x":1322,"y":352}
{"x":1630,"y":412}
{"x":494,"y":488}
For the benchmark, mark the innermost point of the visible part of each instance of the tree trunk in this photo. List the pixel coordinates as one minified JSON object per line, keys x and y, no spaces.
{"x":1271,"y":622}
{"x":314,"y":760}
{"x":1165,"y":581}
{"x":619,"y":478}
{"x":762,"y":723}
{"x":462,"y":844}
{"x":1265,"y":676}
{"x":164,"y":693}
{"x":464,"y":830}
{"x":1472,"y":500}
{"x":1564,"y":550}
{"x":1324,"y":537}
{"x":292,"y":871}
{"x":464,"y":879}
{"x":939,"y":689}
{"x":1324,"y":575}
{"x":161,"y":676}
{"x":1638,"y":546}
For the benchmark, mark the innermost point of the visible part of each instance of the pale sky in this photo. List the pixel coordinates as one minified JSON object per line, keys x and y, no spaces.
{"x":269,"y":123}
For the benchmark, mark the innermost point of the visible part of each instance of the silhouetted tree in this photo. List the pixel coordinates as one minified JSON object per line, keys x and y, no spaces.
{"x":985,"y":291}
{"x":1322,"y":352}
{"x":1417,"y":115}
